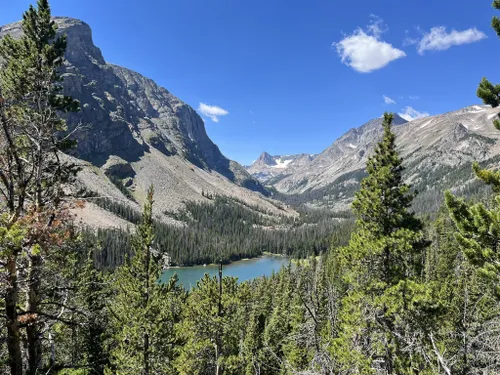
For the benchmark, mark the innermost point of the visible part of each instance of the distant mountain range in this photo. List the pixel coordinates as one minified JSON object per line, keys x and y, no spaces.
{"x":267,"y":166}
{"x":438,"y":152}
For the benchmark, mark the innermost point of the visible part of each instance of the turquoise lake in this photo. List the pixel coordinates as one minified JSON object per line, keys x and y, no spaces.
{"x":244,"y":270}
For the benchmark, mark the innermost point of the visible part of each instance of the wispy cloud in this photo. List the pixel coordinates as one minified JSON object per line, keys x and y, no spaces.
{"x":212,"y":111}
{"x":409,"y":114}
{"x":365,"y":51}
{"x":414,"y":97}
{"x":388,"y":100}
{"x":438,"y":39}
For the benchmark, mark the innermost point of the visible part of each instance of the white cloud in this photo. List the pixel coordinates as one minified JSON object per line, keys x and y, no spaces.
{"x":410,"y":114}
{"x":438,"y":39}
{"x":364,"y":51}
{"x":212,"y":111}
{"x":376,"y":26}
{"x":388,"y":100}
{"x":415,"y":97}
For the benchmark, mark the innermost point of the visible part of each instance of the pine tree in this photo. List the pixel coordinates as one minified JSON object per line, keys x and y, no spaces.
{"x":381,"y":269}
{"x":143,"y":310}
{"x":479,"y":225}
{"x":210,"y":329}
{"x":464,"y":336}
{"x":278,"y":326}
{"x":495,"y":22}
{"x":92,"y":295}
{"x":31,"y":170}
{"x":489,"y":93}
{"x":255,"y":355}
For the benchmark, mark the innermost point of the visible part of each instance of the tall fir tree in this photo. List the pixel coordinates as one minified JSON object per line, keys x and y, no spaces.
{"x":381,"y":269}
{"x":31,"y":170}
{"x":210,"y":329}
{"x":143,"y":311}
{"x":477,"y":235}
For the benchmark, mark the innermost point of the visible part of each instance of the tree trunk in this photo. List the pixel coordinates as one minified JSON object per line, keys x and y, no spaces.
{"x":13,"y":339}
{"x":146,"y":354}
{"x":146,"y":306}
{"x":32,"y":305}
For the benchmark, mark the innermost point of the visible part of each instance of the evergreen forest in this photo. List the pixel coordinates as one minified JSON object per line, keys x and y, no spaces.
{"x":378,"y":290}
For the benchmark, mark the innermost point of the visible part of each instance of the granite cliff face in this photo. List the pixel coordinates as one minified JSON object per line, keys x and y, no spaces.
{"x":140,"y":133}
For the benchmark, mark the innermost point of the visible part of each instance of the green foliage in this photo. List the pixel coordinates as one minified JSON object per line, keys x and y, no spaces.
{"x":93,"y":295}
{"x":478,"y":234}
{"x":386,"y":302}
{"x":381,"y":270}
{"x":225,"y":230}
{"x":32,"y":175}
{"x":11,"y":237}
{"x":32,"y":100}
{"x":478,"y":225}
{"x":143,"y":311}
{"x":211,"y":329}
{"x":495,"y":22}
{"x":488,"y":92}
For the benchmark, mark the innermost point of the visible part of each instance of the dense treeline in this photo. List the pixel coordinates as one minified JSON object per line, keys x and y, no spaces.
{"x":224,"y":230}
{"x":400,"y":297}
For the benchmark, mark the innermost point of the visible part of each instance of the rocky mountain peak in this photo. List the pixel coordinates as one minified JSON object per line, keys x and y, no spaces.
{"x":79,"y":36}
{"x":138,"y":132}
{"x":266,"y":166}
{"x":398,"y":120}
{"x":127,"y":113}
{"x":266,"y":159}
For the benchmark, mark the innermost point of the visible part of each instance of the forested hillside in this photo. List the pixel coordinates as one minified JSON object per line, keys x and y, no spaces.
{"x":394,"y":294}
{"x":224,"y":230}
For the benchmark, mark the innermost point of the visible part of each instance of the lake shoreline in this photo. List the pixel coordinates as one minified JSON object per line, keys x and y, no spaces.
{"x":243,"y":270}
{"x":264,"y":254}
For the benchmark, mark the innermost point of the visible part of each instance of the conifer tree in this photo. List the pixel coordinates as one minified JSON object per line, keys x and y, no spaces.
{"x":92,"y":295}
{"x":254,"y":352}
{"x":210,"y":329}
{"x":381,"y":268}
{"x":489,"y":93}
{"x":464,"y":339}
{"x":477,"y":236}
{"x":278,"y":326}
{"x":31,"y":170}
{"x":478,"y":224}
{"x":143,"y":310}
{"x":495,"y":22}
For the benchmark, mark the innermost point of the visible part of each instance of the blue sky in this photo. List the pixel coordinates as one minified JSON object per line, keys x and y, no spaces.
{"x":292,"y":76}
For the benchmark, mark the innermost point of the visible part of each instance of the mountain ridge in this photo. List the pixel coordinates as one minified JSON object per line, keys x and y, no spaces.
{"x":141,"y":134}
{"x":269,"y":166}
{"x":437,"y":148}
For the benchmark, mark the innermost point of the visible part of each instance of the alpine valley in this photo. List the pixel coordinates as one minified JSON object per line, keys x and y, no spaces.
{"x":132,"y":133}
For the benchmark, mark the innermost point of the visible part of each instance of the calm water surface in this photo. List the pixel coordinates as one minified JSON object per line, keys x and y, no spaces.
{"x":244,"y":270}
